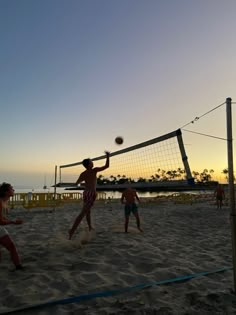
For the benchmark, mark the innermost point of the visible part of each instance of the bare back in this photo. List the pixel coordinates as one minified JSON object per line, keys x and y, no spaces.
{"x":89,"y":177}
{"x":219,"y":192}
{"x":129,"y":196}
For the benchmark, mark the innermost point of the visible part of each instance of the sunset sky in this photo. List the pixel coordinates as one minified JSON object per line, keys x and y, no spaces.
{"x":75,"y":74}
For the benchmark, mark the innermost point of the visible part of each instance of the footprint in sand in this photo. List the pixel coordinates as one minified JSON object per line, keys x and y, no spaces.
{"x":85,"y":236}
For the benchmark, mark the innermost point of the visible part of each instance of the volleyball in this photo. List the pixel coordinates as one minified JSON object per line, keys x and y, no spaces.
{"x":119,"y":140}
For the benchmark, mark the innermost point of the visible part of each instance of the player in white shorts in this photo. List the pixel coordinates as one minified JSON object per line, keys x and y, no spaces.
{"x":7,"y":191}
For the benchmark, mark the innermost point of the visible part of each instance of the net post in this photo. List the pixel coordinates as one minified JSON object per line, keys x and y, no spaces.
{"x":231,"y":183}
{"x":55,"y":187}
{"x":190,"y":179}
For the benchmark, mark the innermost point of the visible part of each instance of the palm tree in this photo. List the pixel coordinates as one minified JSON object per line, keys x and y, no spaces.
{"x":100,"y":179}
{"x":225,"y":172}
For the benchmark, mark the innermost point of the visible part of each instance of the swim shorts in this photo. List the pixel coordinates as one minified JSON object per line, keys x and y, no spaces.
{"x":89,"y":198}
{"x":132,"y":207}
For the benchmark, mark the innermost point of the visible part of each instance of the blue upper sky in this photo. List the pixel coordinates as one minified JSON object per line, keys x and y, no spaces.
{"x":75,"y":74}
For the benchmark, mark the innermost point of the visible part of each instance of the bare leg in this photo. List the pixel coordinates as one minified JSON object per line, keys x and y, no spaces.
{"x":6,"y":242}
{"x":126,"y":223}
{"x":77,"y":221}
{"x":220,"y":203}
{"x":138,"y":221}
{"x":88,"y":218}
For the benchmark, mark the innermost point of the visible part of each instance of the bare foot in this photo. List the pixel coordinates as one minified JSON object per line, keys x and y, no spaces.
{"x":17,"y":267}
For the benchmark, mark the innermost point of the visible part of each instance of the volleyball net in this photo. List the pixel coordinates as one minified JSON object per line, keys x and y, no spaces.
{"x":159,"y":160}
{"x":163,"y":160}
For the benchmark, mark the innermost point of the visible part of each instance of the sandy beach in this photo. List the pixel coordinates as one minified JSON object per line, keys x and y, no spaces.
{"x":179,"y":239}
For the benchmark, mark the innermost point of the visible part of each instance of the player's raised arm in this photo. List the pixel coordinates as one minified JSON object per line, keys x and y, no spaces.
{"x":107,"y":164}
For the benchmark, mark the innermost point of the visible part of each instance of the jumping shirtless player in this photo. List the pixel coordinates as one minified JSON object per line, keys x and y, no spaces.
{"x":89,"y":177}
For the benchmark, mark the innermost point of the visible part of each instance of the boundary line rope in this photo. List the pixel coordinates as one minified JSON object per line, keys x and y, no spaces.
{"x":108,"y":293}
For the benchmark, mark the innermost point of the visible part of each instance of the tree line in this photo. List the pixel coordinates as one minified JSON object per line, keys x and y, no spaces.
{"x":160,"y":176}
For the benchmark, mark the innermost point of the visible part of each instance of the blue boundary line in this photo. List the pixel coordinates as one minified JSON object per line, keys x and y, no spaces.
{"x":108,"y":293}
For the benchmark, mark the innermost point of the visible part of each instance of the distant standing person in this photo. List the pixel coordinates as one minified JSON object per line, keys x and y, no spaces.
{"x":7,"y":191}
{"x":128,"y":198}
{"x":220,"y":195}
{"x":89,"y":177}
